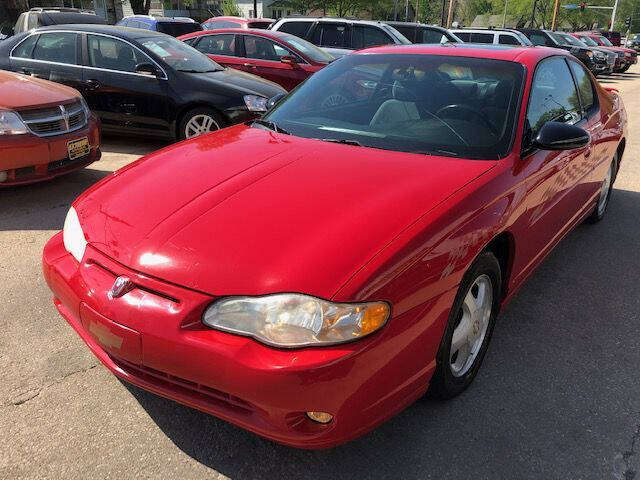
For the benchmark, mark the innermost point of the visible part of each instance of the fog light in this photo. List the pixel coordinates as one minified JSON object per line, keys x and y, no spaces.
{"x":3,"y":176}
{"x":320,"y":417}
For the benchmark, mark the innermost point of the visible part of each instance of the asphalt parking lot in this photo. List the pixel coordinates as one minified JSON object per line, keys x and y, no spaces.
{"x":558,"y":395}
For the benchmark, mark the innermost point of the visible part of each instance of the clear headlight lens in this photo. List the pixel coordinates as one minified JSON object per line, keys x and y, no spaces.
{"x":295,"y":320}
{"x":85,"y":107}
{"x":11,"y":124}
{"x":256,"y":103}
{"x":589,"y":54}
{"x":73,"y":236}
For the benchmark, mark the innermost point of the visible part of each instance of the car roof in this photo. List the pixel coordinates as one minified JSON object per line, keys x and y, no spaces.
{"x":116,"y":31}
{"x":239,"y":19}
{"x":273,"y":34}
{"x":414,"y":24}
{"x":150,"y":19}
{"x":333,"y":19}
{"x":513,"y":53}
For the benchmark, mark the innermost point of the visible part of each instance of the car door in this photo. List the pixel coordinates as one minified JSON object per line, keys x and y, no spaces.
{"x":331,"y":35}
{"x":266,"y":59}
{"x":123,"y":99}
{"x":222,"y":48}
{"x":552,"y":177}
{"x":53,"y":56}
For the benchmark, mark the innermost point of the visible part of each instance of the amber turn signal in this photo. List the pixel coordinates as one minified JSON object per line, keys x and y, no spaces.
{"x":320,"y":417}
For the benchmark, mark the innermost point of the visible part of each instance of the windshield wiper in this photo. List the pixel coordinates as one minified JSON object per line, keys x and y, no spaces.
{"x":271,"y":126}
{"x":345,"y":141}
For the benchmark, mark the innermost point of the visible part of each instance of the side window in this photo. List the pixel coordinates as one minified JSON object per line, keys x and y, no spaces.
{"x":585,"y":86}
{"x":433,"y":36}
{"x":113,"y":54}
{"x":264,"y":49}
{"x":464,"y":36}
{"x":409,"y":32}
{"x":365,"y":36}
{"x":25,"y":49}
{"x":538,"y":38}
{"x":57,"y":47}
{"x":218,"y":45}
{"x":553,"y":95}
{"x":508,"y":40}
{"x":330,"y":35}
{"x":299,"y":29}
{"x":32,"y":21}
{"x":481,"y":37}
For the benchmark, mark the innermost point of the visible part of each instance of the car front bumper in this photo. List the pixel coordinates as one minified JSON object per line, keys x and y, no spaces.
{"x":29,"y":158}
{"x":153,"y":337}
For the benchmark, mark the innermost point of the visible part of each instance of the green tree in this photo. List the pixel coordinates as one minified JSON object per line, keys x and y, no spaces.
{"x":230,"y":8}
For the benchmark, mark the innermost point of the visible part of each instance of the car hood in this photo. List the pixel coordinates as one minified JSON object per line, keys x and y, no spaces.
{"x":247,"y":211}
{"x":242,"y":82}
{"x":21,"y":91}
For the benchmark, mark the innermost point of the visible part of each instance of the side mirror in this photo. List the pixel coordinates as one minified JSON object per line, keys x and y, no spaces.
{"x":274,"y":100}
{"x":560,"y":136}
{"x":147,"y":69}
{"x":289,"y":60}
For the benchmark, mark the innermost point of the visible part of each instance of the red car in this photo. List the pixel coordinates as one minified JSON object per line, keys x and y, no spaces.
{"x":313,"y":273}
{"x":626,"y":56}
{"x":215,"y":23}
{"x":276,"y":56}
{"x":46,"y":130}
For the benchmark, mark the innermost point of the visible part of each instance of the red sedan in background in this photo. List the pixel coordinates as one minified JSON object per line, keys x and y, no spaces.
{"x":277,"y":56}
{"x":46,"y":130}
{"x":314,"y":272}
{"x":215,"y":23}
{"x":626,"y":56}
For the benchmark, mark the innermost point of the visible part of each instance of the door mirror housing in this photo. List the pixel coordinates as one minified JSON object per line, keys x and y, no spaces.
{"x":275,"y":99}
{"x":560,"y":136}
{"x":289,"y":60}
{"x":147,"y":69}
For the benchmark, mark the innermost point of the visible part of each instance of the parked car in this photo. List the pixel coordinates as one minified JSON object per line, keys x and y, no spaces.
{"x":171,"y":26}
{"x":46,"y":130}
{"x":613,"y":37}
{"x":627,"y":56}
{"x":215,"y":23}
{"x":139,"y":81}
{"x":604,"y":60}
{"x":421,"y":33}
{"x":633,"y":42}
{"x":340,"y":36}
{"x":46,"y":16}
{"x":503,"y":36}
{"x":282,"y":58}
{"x":586,"y":55}
{"x":312,"y":273}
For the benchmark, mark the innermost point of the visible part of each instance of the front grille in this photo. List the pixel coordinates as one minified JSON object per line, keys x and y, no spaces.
{"x":46,"y":122}
{"x":195,"y":390}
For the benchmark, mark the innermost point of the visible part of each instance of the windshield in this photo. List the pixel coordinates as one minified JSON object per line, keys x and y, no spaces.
{"x":570,"y":40}
{"x":589,"y":41}
{"x":175,"y":29}
{"x":453,"y":106}
{"x":179,"y":55}
{"x":605,"y":41}
{"x":308,"y":49}
{"x":401,"y":39}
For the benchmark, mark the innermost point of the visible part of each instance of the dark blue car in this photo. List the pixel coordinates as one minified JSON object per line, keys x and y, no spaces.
{"x":175,"y":26}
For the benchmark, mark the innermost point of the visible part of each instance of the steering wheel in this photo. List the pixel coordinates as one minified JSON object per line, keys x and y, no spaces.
{"x":472,"y":111}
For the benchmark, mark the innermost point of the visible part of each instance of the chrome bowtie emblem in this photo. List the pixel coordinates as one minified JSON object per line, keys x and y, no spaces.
{"x":121,"y":286}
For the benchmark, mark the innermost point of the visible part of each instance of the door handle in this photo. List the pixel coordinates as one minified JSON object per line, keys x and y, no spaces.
{"x":92,"y":84}
{"x":249,"y":65}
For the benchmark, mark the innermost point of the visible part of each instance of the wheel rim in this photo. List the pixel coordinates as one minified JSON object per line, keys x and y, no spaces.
{"x":473,"y":322}
{"x":199,"y":124}
{"x":604,"y":191}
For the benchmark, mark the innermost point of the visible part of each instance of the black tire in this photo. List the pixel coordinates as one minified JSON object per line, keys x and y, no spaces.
{"x":598,"y":212}
{"x":194,"y":113}
{"x":625,"y":68}
{"x":444,"y":383}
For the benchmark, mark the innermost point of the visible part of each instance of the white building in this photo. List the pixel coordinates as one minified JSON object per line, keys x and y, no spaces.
{"x":266,"y":8}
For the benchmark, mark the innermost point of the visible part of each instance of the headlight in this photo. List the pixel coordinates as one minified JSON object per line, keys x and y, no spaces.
{"x":256,"y":103}
{"x":589,"y":54}
{"x":295,"y":320}
{"x":72,"y":235}
{"x":599,"y":55}
{"x":85,"y":107}
{"x":11,"y":124}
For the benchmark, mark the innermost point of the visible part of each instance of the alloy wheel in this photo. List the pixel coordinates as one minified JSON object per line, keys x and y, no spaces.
{"x":199,"y":124}
{"x":604,"y":191}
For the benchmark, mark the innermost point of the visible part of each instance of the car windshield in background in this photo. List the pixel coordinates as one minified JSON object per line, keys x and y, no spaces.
{"x":309,"y":49}
{"x":175,"y":29}
{"x":179,"y":55}
{"x":570,"y":40}
{"x":606,"y":41}
{"x":588,"y":41}
{"x":430,"y":104}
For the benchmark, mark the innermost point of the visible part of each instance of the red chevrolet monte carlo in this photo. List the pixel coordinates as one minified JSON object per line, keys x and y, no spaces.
{"x":308,"y":275}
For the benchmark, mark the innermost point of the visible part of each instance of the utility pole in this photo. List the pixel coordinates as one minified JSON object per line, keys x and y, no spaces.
{"x":395,"y":10}
{"x":554,"y":19}
{"x":504,"y":16}
{"x":255,"y":8}
{"x":450,"y":16}
{"x":442,"y":20}
{"x":406,"y":10}
{"x":613,"y":15}
{"x":417,"y":6}
{"x":533,"y":14}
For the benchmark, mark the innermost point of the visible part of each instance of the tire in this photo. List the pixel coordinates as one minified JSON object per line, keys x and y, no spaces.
{"x":198,"y":121}
{"x":625,"y":68}
{"x":606,"y":190}
{"x":453,"y":374}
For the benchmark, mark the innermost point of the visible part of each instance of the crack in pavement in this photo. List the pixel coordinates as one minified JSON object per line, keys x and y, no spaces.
{"x":624,"y":470}
{"x":30,"y":395}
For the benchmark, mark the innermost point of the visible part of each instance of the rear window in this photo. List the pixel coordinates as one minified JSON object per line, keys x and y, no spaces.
{"x":507,"y":40}
{"x":299,"y":29}
{"x":175,"y":29}
{"x":220,"y":24}
{"x":61,"y":18}
{"x":260,"y":25}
